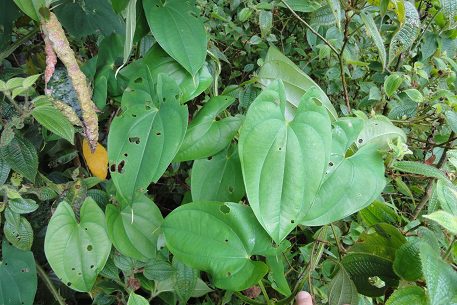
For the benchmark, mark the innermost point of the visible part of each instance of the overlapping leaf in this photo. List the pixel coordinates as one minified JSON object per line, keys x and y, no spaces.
{"x":294,"y":173}
{"x":219,"y":238}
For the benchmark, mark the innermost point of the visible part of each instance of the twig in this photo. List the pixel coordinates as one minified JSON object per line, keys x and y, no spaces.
{"x":246,"y":299}
{"x":429,"y":188}
{"x":264,"y":292}
{"x":5,"y":53}
{"x":47,"y":281}
{"x":337,"y":53}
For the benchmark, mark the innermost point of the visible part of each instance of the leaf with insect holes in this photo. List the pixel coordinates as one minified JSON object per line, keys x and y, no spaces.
{"x":141,"y":144}
{"x":85,"y":242}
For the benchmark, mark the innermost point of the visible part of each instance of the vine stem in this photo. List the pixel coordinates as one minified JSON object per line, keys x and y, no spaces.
{"x":246,"y":299}
{"x":47,"y":281}
{"x":429,"y":188}
{"x":334,"y":50}
{"x":265,"y":294}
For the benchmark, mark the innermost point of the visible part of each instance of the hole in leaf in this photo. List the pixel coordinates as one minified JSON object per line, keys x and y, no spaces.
{"x":85,"y":229}
{"x":230,"y":189}
{"x":148,"y":107}
{"x":120,"y":167}
{"x":224,"y":209}
{"x":133,"y":115}
{"x":112,"y":168}
{"x":280,"y":148}
{"x":135,"y":140}
{"x":229,"y":274}
{"x":158,"y":133}
{"x":360,"y":140}
{"x":292,"y":221}
{"x":73,"y":269}
{"x":92,"y":266}
{"x":330,"y":163}
{"x":226,"y":240}
{"x":209,"y":158}
{"x":89,"y":248}
{"x":139,"y":80}
{"x":126,"y":155}
{"x":68,"y":284}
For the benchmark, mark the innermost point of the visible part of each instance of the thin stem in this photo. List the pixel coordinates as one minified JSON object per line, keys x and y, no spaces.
{"x":265,"y":294}
{"x":218,"y":72}
{"x":18,"y":43}
{"x":340,"y":247}
{"x":47,"y":281}
{"x":12,"y":101}
{"x":310,"y":28}
{"x":448,"y":251}
{"x":429,"y":188}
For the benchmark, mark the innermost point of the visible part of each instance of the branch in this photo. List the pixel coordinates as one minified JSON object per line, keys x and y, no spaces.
{"x":47,"y":281}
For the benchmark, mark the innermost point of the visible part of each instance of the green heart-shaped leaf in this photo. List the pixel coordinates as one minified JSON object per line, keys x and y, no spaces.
{"x":219,"y":238}
{"x":134,"y":229}
{"x":141,"y":144}
{"x":77,"y":251}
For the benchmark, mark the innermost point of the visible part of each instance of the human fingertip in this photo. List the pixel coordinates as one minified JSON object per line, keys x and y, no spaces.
{"x":303,"y":296}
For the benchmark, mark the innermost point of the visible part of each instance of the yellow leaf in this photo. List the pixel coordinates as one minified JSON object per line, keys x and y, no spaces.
{"x":96,"y":161}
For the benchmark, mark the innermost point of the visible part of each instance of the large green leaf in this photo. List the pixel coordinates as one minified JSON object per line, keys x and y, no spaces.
{"x":77,"y":251}
{"x":407,"y":263}
{"x":371,"y":274}
{"x":185,"y":279}
{"x":293,"y":172}
{"x":141,"y":144}
{"x":373,"y":32}
{"x":403,"y":40}
{"x":134,"y":229}
{"x":178,"y":31}
{"x":219,"y":238}
{"x":378,"y":212}
{"x":135,"y":299}
{"x":155,"y":62}
{"x":82,"y":18}
{"x":447,"y":196}
{"x":419,"y":169}
{"x":408,"y":295}
{"x":296,"y":82}
{"x":441,"y":279}
{"x":18,"y":280}
{"x":342,"y":290}
{"x":449,"y":9}
{"x":380,"y":131}
{"x":207,"y":136}
{"x":218,"y":178}
{"x":18,"y":230}
{"x":444,"y":219}
{"x":54,"y":120}
{"x":21,"y":156}
{"x":30,"y":7}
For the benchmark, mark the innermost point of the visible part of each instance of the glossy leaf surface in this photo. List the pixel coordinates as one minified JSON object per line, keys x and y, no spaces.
{"x":86,"y":242}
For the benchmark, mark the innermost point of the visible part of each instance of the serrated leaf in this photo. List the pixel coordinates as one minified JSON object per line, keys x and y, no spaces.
{"x":158,"y":269}
{"x":407,"y":263}
{"x":447,"y":196}
{"x":18,"y":230}
{"x":323,"y":17}
{"x":392,"y":83}
{"x":135,"y":299}
{"x":55,"y":121}
{"x":373,"y":32}
{"x":141,"y":144}
{"x":308,"y":6}
{"x":265,"y":22}
{"x":207,"y":136}
{"x":21,"y":156}
{"x":451,"y":119}
{"x":419,"y":168}
{"x":444,"y":219}
{"x":449,"y":9}
{"x":22,"y":206}
{"x":342,"y":289}
{"x":414,"y":95}
{"x":408,"y":295}
{"x":86,"y":242}
{"x":185,"y":280}
{"x":4,"y":171}
{"x":441,"y":279}
{"x":227,"y":233}
{"x":378,"y":212}
{"x":362,"y":266}
{"x":178,"y":31}
{"x":30,"y":80}
{"x":18,"y":279}
{"x":403,"y":40}
{"x":134,"y":228}
{"x":335,"y":7}
{"x":218,"y":178}
{"x":296,"y":82}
